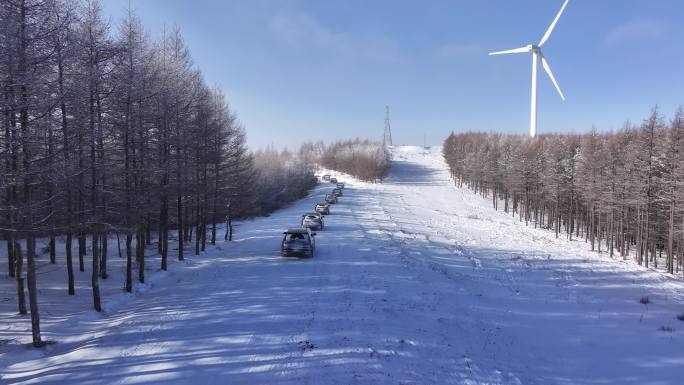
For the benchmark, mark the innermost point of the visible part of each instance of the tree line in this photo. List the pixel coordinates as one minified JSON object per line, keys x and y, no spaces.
{"x":105,"y":130}
{"x":282,"y":177}
{"x":366,"y":160}
{"x":623,"y":191}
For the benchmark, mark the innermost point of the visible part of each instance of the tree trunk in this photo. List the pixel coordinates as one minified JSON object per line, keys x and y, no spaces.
{"x":33,"y":290}
{"x":129,"y":263}
{"x":51,"y":249}
{"x":70,"y":264}
{"x":81,"y":251}
{"x":148,"y":227}
{"x":94,"y":276}
{"x":10,"y":255}
{"x":229,"y":228}
{"x":103,"y":256}
{"x":198,"y":228}
{"x":647,"y":238}
{"x":556,"y":214}
{"x":19,"y":275}
{"x":670,"y":239}
{"x":140,"y":248}
{"x":179,"y":203}
{"x":163,"y":233}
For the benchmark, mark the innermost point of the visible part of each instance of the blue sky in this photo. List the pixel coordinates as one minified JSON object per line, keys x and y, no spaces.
{"x":298,"y":70}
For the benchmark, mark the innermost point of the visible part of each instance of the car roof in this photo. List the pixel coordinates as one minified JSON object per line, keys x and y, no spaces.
{"x":311,"y":214}
{"x":297,"y":231}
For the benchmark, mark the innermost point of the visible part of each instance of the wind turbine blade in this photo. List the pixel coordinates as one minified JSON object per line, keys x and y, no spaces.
{"x":526,"y":49}
{"x":553,"y":25}
{"x":545,"y":64}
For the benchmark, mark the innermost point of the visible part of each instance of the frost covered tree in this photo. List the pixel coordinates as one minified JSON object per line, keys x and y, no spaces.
{"x":281,"y":177}
{"x":27,"y":82}
{"x":107,"y":132}
{"x":621,"y":191}
{"x":673,"y":186}
{"x":363,"y":159}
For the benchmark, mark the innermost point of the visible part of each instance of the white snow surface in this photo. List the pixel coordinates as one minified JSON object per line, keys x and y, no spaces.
{"x":414,"y":282}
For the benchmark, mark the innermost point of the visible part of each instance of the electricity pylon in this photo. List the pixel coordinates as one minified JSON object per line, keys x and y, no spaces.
{"x":387,"y":138}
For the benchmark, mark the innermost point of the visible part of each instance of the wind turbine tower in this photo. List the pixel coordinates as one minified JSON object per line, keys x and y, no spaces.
{"x":387,"y":139}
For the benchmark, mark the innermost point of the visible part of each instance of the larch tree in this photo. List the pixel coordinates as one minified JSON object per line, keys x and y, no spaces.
{"x":621,"y":191}
{"x":107,"y":133}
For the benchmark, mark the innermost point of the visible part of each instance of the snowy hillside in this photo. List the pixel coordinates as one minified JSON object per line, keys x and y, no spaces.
{"x":414,"y":282}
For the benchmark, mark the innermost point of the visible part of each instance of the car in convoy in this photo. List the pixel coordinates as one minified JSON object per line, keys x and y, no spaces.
{"x":323,"y":208}
{"x":337,"y":192}
{"x":326,"y":177}
{"x":333,"y":180}
{"x":330,"y":199}
{"x":298,"y":243}
{"x":316,"y":214}
{"x":313,"y":221}
{"x":340,"y":184}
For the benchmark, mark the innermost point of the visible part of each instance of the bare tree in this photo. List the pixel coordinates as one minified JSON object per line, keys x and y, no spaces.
{"x":100,"y":134}
{"x":619,"y":191}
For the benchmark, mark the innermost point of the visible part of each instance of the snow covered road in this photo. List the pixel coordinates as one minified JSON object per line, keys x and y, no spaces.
{"x":414,"y":282}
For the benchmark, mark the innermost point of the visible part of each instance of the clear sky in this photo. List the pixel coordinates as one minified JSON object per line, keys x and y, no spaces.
{"x":297,"y":70}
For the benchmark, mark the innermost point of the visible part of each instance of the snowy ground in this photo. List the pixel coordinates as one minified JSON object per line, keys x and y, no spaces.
{"x":414,"y":282}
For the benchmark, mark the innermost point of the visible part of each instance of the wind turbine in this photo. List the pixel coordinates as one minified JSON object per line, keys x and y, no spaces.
{"x":536,"y":57}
